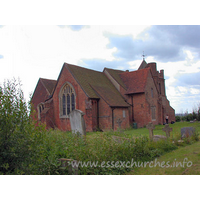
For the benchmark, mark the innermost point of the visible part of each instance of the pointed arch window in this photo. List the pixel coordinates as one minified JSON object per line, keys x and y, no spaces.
{"x":40,"y":108}
{"x":67,"y":100}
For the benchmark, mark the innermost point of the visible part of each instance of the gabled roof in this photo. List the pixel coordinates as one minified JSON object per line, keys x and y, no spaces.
{"x":96,"y":85}
{"x":142,"y":65}
{"x":49,"y":84}
{"x":115,"y":74}
{"x":135,"y":81}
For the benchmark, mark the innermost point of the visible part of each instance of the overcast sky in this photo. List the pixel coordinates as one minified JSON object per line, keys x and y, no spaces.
{"x":31,"y":52}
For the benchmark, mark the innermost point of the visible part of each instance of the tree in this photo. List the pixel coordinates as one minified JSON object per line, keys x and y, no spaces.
{"x":19,"y":137}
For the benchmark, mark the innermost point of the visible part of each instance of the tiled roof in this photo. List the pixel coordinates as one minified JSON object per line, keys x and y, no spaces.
{"x":115,"y":74}
{"x":49,"y":84}
{"x":135,"y":81}
{"x":96,"y":85}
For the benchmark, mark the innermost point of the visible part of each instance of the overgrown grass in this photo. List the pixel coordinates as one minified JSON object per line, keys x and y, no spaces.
{"x":190,"y":154}
{"x":101,"y":147}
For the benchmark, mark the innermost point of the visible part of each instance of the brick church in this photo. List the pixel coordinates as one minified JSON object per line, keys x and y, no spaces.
{"x":109,"y":99}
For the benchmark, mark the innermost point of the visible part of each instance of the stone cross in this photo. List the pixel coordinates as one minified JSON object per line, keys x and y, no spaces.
{"x":77,"y":122}
{"x":150,"y":126}
{"x":119,"y":122}
{"x":167,"y":130}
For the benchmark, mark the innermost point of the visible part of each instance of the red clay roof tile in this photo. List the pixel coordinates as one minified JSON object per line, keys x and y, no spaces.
{"x":135,"y":81}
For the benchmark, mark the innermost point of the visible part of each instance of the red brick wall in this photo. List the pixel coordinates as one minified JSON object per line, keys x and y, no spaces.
{"x":140,"y":110}
{"x":151,"y":101}
{"x":40,"y":95}
{"x":105,"y":116}
{"x":118,"y":114}
{"x":81,"y":98}
{"x":49,"y":118}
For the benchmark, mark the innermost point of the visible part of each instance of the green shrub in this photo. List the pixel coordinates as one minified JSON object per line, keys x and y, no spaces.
{"x":22,"y":143}
{"x":178,"y":118}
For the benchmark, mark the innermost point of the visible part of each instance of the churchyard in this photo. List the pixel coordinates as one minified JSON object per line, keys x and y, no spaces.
{"x":123,"y":146}
{"x":27,"y":147}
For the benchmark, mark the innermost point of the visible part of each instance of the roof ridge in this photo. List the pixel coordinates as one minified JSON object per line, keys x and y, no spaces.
{"x":113,"y":69}
{"x":136,"y":70}
{"x":48,"y":79}
{"x":84,"y":68}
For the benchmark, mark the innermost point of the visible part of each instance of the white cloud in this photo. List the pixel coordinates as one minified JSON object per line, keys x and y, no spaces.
{"x":194,"y":91}
{"x":30,"y":52}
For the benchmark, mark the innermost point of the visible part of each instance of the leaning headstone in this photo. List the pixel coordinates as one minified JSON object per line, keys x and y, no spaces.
{"x":187,"y":131}
{"x":150,"y":126}
{"x":167,"y":130}
{"x":71,"y":165}
{"x":77,"y":122}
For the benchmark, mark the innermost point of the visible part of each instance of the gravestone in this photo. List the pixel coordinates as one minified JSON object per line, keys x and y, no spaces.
{"x":150,"y":126}
{"x":72,"y":165}
{"x":152,"y":137}
{"x":77,"y":122}
{"x":187,"y":131}
{"x":167,"y":130}
{"x":119,"y":122}
{"x":159,"y":137}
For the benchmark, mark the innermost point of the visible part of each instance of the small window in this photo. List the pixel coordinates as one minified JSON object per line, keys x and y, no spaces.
{"x":124,"y":114}
{"x":152,"y":92}
{"x":153,"y":113}
{"x":40,"y":109}
{"x":159,"y":88}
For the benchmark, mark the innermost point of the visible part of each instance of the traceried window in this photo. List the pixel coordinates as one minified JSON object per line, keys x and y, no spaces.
{"x":67,"y":100}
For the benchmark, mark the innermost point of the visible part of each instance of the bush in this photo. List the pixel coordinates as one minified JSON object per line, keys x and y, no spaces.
{"x":178,"y":118}
{"x":198,"y":114}
{"x":22,"y":144}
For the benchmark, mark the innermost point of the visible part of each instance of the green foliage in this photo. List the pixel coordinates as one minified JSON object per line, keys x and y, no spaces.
{"x":189,"y":117}
{"x":198,"y":114}
{"x":22,"y":143}
{"x":178,"y":118}
{"x":195,"y":115}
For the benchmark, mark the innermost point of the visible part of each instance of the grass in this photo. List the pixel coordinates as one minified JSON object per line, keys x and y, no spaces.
{"x":99,"y":146}
{"x":134,"y":133}
{"x":190,"y":153}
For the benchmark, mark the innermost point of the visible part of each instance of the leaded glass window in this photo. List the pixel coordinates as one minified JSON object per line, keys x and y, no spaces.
{"x":67,"y":102}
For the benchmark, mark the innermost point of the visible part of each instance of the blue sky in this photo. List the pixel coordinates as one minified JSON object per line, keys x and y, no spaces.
{"x":31,"y":52}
